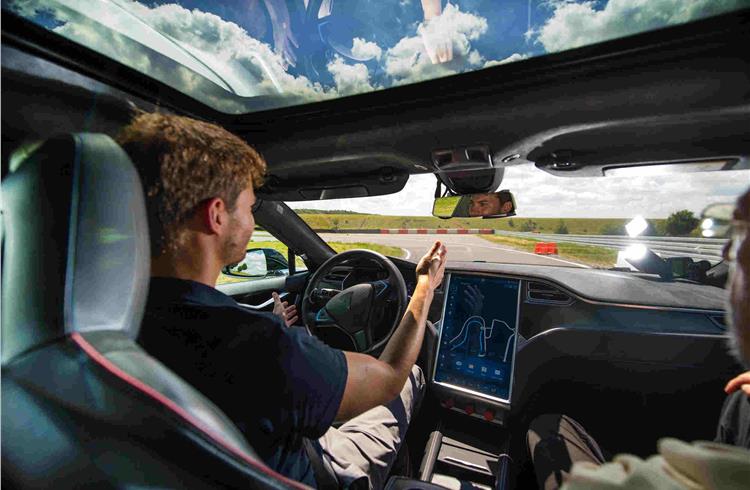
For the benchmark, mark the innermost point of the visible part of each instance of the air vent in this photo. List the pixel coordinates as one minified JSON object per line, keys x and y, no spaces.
{"x":539,"y":292}
{"x":718,"y":320}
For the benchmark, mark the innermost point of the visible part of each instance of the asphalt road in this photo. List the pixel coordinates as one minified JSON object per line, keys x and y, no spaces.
{"x":460,"y":248}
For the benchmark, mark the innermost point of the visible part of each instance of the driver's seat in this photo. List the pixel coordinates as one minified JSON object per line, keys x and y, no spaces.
{"x":82,"y":404}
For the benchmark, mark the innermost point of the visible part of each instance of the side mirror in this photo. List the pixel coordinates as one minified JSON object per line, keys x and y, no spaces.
{"x":259,"y":262}
{"x":485,"y":205}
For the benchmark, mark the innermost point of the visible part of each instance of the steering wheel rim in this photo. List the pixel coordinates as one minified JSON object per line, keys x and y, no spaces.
{"x":394,"y":279}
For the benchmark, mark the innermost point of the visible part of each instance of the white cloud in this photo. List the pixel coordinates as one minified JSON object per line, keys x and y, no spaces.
{"x":415,"y":199}
{"x":234,"y":59}
{"x":408,"y":62}
{"x":474,"y":58}
{"x":509,"y":59}
{"x":577,"y":24}
{"x":349,"y":79}
{"x":365,"y":50}
{"x":229,"y":44}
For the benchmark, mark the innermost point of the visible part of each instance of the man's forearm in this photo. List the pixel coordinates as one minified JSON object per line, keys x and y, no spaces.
{"x":402,"y":350}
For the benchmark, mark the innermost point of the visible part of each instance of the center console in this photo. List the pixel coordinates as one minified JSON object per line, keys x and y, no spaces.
{"x":476,"y":352}
{"x":471,"y":375}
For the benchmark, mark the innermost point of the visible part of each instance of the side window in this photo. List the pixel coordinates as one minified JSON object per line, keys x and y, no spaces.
{"x":265,"y":257}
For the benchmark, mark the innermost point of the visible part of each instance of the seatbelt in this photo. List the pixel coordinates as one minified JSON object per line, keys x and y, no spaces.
{"x":324,"y":476}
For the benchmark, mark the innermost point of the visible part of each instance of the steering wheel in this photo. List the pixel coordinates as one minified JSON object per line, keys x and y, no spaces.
{"x":351,"y":310}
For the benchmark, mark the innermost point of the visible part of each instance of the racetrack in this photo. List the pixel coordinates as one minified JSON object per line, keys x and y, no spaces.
{"x":460,"y":248}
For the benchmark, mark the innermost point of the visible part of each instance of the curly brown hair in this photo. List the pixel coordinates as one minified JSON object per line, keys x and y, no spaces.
{"x":183,"y":162}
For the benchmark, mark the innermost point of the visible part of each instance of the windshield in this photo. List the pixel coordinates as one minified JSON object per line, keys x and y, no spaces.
{"x":560,"y":221}
{"x":252,"y":55}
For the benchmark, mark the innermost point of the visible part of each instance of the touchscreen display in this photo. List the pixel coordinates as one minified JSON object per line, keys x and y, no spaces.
{"x":478,"y":335}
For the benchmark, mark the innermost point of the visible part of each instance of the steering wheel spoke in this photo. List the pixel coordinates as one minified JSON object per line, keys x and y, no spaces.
{"x":361,"y":340}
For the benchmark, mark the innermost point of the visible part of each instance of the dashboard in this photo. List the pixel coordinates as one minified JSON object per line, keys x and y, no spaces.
{"x":542,"y":328}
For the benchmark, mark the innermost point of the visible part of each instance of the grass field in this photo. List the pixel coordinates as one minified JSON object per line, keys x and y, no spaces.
{"x":575,"y":226}
{"x":337,"y":246}
{"x":584,"y":254}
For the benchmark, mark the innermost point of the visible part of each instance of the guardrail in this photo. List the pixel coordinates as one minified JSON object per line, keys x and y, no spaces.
{"x":696,"y":248}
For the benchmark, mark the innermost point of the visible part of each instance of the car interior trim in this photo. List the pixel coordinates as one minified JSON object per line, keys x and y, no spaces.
{"x":555,"y":330}
{"x":266,"y":303}
{"x":620,"y":305}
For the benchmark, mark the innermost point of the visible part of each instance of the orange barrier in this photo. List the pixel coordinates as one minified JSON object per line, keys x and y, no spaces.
{"x":545,"y":248}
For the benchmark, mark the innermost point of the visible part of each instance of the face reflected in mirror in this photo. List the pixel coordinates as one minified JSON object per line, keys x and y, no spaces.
{"x":489,"y":204}
{"x":482,"y":205}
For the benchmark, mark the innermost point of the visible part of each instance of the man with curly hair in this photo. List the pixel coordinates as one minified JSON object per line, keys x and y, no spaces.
{"x":282,"y":387}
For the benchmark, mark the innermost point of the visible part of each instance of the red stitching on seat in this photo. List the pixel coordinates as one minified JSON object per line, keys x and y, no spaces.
{"x":109,"y":366}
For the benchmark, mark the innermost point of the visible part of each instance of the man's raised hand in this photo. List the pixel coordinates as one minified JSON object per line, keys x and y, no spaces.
{"x":432,"y":265}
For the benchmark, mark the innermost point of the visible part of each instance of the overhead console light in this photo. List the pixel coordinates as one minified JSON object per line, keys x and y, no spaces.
{"x":467,"y":169}
{"x":666,"y":168}
{"x":561,"y":160}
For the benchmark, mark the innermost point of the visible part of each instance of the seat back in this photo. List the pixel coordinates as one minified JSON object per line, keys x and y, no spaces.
{"x":82,"y":404}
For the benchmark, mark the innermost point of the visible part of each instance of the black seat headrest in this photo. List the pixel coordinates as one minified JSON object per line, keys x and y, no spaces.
{"x":76,"y":252}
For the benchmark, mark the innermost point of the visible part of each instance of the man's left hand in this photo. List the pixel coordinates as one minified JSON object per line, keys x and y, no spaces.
{"x":283,"y":310}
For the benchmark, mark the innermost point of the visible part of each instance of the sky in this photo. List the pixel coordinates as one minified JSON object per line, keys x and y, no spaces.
{"x":234,"y":52}
{"x":542,"y":195}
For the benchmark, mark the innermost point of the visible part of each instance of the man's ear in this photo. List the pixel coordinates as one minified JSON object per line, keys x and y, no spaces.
{"x":213,"y":215}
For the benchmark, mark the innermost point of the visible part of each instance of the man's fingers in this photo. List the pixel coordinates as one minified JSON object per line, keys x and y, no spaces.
{"x":736,"y":382}
{"x":438,"y":252}
{"x":292,"y":321}
{"x":434,"y":251}
{"x":746,"y":389}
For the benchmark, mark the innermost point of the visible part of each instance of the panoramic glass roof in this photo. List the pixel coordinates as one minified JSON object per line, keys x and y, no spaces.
{"x":241,"y":56}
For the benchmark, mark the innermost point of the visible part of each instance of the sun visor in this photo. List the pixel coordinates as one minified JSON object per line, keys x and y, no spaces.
{"x":303,"y":187}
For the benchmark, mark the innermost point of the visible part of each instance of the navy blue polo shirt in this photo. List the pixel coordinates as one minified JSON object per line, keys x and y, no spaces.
{"x":277,"y":384}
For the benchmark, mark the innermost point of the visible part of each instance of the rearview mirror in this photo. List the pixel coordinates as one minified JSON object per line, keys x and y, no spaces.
{"x":259,"y":262}
{"x":485,"y":205}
